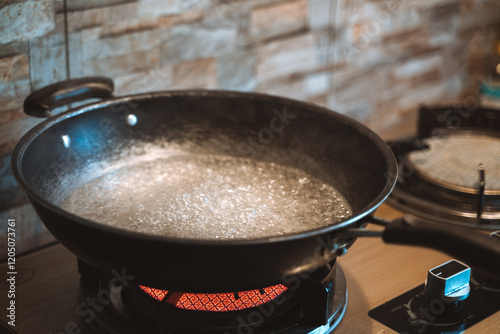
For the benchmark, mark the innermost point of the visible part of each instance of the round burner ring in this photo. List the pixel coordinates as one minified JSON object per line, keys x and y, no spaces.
{"x":439,"y":178}
{"x":428,"y":209}
{"x":451,"y":162}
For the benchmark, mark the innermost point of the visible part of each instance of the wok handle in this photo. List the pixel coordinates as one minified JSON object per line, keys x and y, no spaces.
{"x":42,"y":101}
{"x":478,"y":249}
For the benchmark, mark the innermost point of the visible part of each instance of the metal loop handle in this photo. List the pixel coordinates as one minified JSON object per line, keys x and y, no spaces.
{"x":42,"y":101}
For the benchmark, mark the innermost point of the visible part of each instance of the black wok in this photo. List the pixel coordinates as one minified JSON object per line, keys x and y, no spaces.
{"x":363,"y":167}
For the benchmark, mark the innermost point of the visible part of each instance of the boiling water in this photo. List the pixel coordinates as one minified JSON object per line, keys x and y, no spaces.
{"x":210,"y":197}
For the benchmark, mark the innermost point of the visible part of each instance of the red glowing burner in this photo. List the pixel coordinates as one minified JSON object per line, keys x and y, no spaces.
{"x":217,"y":302}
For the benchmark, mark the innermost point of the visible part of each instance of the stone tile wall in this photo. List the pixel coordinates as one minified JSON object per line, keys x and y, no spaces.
{"x":374,"y":60}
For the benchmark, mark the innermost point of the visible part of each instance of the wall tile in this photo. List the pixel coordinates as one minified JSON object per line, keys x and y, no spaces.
{"x":319,"y":13}
{"x":25,"y":20}
{"x":424,"y":4}
{"x":427,"y":94}
{"x":231,"y":14}
{"x":186,"y":42}
{"x":14,"y":68}
{"x":301,"y":87}
{"x":195,"y":74}
{"x":14,"y":48}
{"x":236,"y":70}
{"x":104,"y":16}
{"x":13,"y":90}
{"x":122,"y":64}
{"x":157,"y":79}
{"x":289,"y":87}
{"x":286,"y":56}
{"x":75,"y":54}
{"x":277,"y":19}
{"x":122,"y":44}
{"x":14,"y":81}
{"x":184,"y":18}
{"x":157,"y":8}
{"x":205,"y":5}
{"x":48,"y":64}
{"x":317,"y":83}
{"x":12,"y":110}
{"x":318,"y":99}
{"x":78,"y":5}
{"x":416,"y":66}
{"x":354,"y":90}
{"x":357,"y":109}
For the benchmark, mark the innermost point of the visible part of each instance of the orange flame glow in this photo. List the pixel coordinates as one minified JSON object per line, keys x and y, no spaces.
{"x":217,"y":302}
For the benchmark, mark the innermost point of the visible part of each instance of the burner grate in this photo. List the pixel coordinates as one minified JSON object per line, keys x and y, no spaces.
{"x":313,"y":306}
{"x":450,"y":172}
{"x":452,"y":162}
{"x":217,"y":302}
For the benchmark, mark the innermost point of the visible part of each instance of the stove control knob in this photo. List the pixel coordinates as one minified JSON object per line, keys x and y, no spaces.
{"x":449,"y":284}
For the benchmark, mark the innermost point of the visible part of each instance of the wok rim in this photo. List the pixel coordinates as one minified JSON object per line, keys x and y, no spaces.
{"x":25,"y":141}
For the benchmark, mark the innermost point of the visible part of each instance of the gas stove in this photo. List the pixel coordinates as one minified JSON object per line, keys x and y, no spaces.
{"x":55,"y":294}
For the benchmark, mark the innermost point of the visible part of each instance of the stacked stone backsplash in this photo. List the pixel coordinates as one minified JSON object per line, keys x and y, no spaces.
{"x":374,"y":60}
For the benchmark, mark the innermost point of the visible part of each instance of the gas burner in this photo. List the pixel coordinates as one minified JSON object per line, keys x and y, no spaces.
{"x":449,"y":172}
{"x":313,"y":304}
